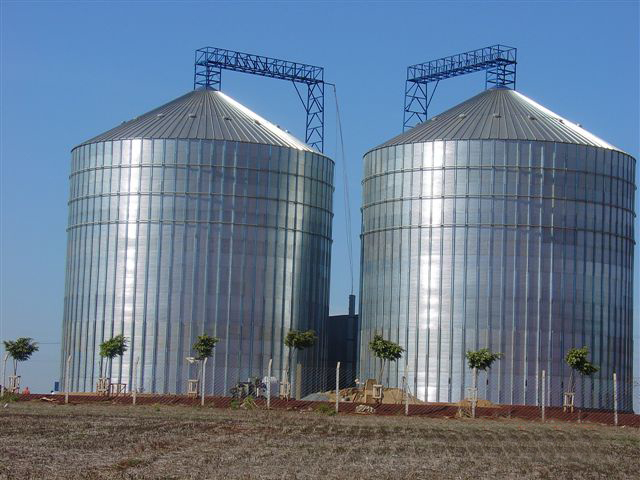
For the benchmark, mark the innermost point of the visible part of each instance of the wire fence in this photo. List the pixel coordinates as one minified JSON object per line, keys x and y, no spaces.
{"x":339,"y":390}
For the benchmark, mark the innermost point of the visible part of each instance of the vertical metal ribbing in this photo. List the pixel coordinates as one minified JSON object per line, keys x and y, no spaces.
{"x":232,"y":257}
{"x":489,"y":341}
{"x":102,"y":267}
{"x":418,"y":286}
{"x":147,"y":262}
{"x":138,"y":192}
{"x":172,"y":233}
{"x":283,"y":266}
{"x":114,"y":258}
{"x":548,"y":363}
{"x":216,"y":262}
{"x":503,"y":281}
{"x":179,"y":345}
{"x":90,"y":297}
{"x":272,"y":340}
{"x":93,"y":298}
{"x":124,"y":223}
{"x":156,"y":321}
{"x":196,"y":326}
{"x":103,"y":257}
{"x":208,"y":163}
{"x":239,"y":218}
{"x":527,"y":235}
{"x":452,"y":279}
{"x":216,"y":231}
{"x":81,"y":270}
{"x":394,"y":333}
{"x":429,"y":228}
{"x":409,"y":231}
{"x":554,"y":166}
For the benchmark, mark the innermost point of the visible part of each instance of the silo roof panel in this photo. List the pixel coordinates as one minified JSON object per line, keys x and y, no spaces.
{"x":203,"y":115}
{"x":499,"y":114}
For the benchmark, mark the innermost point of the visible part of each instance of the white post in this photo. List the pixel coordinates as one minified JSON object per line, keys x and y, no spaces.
{"x":204,"y":368}
{"x":337,"y":386}
{"x":406,"y":390}
{"x":66,"y":380}
{"x":4,"y":374}
{"x":134,"y":380}
{"x":269,"y":384}
{"x":298,"y":381}
{"x":615,"y":400}
{"x":474,"y":398}
{"x":544,"y":398}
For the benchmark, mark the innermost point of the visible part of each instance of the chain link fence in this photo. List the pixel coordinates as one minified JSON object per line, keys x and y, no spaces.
{"x":340,"y":390}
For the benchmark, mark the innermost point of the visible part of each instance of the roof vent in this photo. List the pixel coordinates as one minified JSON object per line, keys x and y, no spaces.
{"x":160,"y":115}
{"x":560,"y":120}
{"x":496,"y":115}
{"x":228,"y":119}
{"x":579,"y":124}
{"x":192,"y":115}
{"x":257,"y":122}
{"x":531,"y":117}
{"x":434,"y":118}
{"x":462,"y":115}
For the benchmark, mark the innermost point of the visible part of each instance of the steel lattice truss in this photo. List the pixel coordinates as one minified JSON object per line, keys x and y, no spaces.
{"x":499,"y":61}
{"x":210,"y":61}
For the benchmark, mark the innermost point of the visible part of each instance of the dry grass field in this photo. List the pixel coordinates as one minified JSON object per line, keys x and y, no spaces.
{"x":46,"y":441}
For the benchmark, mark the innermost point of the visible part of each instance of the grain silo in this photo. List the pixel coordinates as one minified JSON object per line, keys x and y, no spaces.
{"x":198,"y":216}
{"x":499,"y":224}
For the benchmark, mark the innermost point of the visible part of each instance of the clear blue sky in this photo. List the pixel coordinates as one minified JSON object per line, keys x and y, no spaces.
{"x":71,"y":70}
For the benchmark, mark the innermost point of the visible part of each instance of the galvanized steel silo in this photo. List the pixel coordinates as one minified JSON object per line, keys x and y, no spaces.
{"x":499,"y":224}
{"x":198,"y":216}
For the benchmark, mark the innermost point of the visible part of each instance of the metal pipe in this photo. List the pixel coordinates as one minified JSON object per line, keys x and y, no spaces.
{"x":269,"y":384}
{"x":615,"y":400}
{"x":337,"y":386}
{"x":4,"y":373}
{"x":204,"y":368}
{"x":544,"y":400}
{"x":474,"y":394}
{"x":406,"y":389}
{"x":66,"y":380}
{"x":134,"y":382}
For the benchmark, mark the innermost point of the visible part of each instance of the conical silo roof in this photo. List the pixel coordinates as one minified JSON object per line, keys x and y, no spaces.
{"x":499,"y":114}
{"x":203,"y":115}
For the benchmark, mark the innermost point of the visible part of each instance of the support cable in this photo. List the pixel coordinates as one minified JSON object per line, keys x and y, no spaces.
{"x":345,"y":181}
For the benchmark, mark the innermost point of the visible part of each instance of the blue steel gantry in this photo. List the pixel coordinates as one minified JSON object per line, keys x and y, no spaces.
{"x":498,"y":60}
{"x":210,"y":61}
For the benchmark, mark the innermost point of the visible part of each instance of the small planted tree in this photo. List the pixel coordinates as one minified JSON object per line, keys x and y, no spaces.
{"x":20,"y":350}
{"x":204,"y":349}
{"x":577,"y":359}
{"x":204,"y":346}
{"x":386,"y":351}
{"x":298,"y":340}
{"x":480,"y":360}
{"x":109,"y":349}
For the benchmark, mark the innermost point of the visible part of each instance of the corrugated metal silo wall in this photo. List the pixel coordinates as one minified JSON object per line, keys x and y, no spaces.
{"x":522,"y":247}
{"x":168,"y":239}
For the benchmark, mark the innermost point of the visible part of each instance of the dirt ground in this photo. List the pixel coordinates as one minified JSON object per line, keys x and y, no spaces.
{"x":48,"y":441}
